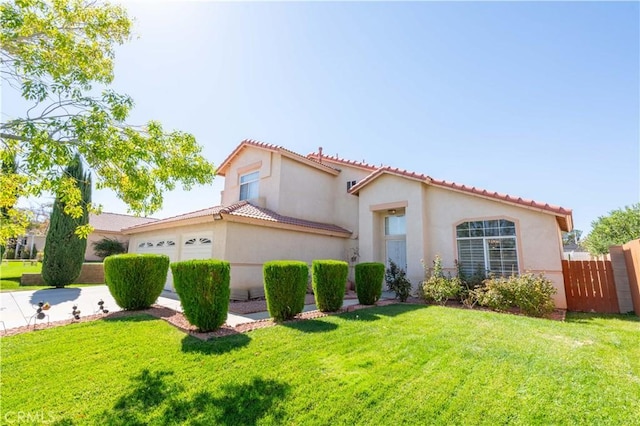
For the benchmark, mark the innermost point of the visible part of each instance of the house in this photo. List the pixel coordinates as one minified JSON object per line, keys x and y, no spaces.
{"x":110,"y":225}
{"x":277,"y":204}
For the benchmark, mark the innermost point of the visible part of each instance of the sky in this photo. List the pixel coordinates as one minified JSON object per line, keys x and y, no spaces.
{"x":536,"y":100}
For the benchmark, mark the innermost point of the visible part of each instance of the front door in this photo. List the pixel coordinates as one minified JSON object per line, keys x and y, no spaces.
{"x":395,"y":240}
{"x":397,"y":252}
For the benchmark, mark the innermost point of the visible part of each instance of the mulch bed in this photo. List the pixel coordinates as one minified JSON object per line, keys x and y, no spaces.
{"x":260,"y":305}
{"x":178,"y":320}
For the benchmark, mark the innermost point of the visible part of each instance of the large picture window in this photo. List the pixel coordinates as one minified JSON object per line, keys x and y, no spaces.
{"x":249,"y":186}
{"x":487,"y":246}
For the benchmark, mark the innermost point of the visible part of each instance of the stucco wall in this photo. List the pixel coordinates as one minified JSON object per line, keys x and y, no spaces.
{"x":432,"y":214}
{"x":306,"y":192}
{"x":385,"y":193}
{"x":249,"y":246}
{"x":250,"y":160}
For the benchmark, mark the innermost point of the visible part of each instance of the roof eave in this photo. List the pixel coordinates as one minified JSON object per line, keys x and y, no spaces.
{"x":280,"y":225}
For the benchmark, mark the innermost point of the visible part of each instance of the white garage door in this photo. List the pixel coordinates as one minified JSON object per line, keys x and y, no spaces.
{"x":197,"y":247}
{"x":161,"y":245}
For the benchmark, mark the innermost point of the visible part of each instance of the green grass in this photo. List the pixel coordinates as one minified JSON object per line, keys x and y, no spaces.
{"x":11,"y":272}
{"x":400,"y":364}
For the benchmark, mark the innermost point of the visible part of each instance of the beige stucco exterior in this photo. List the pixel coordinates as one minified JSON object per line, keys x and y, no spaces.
{"x":316,"y":189}
{"x":432,"y":216}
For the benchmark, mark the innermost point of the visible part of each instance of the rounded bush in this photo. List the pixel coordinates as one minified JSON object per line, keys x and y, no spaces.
{"x":369,"y":277}
{"x":203,"y":287}
{"x":136,"y":280}
{"x":329,"y":280}
{"x":285,"y":287}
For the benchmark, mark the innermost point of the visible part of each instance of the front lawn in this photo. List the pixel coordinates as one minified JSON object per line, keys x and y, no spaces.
{"x":400,"y":364}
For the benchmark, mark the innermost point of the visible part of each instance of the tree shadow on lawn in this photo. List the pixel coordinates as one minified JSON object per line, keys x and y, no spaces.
{"x":374,"y":313}
{"x":157,"y":398}
{"x":54,"y":295}
{"x":215,"y":346}
{"x":311,"y":326}
{"x":588,"y":318}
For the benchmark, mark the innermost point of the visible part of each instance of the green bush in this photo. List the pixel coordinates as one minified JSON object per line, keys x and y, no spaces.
{"x":329,"y":280}
{"x":532,"y":294}
{"x":369,"y":278}
{"x":136,"y":280}
{"x":203,"y":287}
{"x":285,"y":287}
{"x":396,"y":279}
{"x":108,"y":247}
{"x":438,"y":288}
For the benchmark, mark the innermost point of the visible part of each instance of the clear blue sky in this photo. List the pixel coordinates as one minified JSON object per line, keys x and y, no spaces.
{"x":537,"y":100}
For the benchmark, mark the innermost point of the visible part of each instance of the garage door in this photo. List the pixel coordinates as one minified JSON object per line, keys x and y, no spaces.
{"x":197,"y":247}
{"x":165,"y":245}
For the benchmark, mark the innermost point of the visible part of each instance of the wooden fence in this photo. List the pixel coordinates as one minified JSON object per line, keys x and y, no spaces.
{"x":589,"y":286}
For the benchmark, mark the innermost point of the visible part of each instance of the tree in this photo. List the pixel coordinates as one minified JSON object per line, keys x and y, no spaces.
{"x":619,"y":227}
{"x":64,"y":249}
{"x":12,"y":220}
{"x":572,"y":237}
{"x":59,"y":54}
{"x":108,"y":246}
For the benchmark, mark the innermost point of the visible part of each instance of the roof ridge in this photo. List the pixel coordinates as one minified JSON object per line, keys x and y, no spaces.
{"x":316,"y":156}
{"x":127,"y":215}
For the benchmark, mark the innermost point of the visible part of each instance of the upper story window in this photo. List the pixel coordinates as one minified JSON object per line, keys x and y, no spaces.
{"x":249,"y":186}
{"x":351,"y":184}
{"x":487,"y":246}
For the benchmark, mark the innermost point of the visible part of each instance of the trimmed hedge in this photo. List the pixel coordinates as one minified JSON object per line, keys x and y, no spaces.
{"x":203,"y":287}
{"x":369,"y":277}
{"x":329,"y":280}
{"x":285,"y":287}
{"x":136,"y":280}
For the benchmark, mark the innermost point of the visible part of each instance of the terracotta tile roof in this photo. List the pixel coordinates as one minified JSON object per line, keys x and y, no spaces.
{"x":337,"y":160}
{"x":222,"y":169}
{"x":564,"y":216}
{"x":210,"y":211}
{"x":248,"y":210}
{"x":115,"y":222}
{"x":245,"y":209}
{"x":503,"y":197}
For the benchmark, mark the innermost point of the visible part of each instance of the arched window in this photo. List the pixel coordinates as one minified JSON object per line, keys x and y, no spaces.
{"x":205,"y":241}
{"x":487,"y":246}
{"x":190,"y":242}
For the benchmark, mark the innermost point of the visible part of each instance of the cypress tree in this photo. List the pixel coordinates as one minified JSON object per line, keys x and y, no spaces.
{"x":64,"y":250}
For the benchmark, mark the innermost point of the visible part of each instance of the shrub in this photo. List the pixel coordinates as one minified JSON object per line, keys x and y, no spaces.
{"x":369,"y":278}
{"x":64,"y":250}
{"x":136,"y":280}
{"x":285,"y":286}
{"x":329,"y":280}
{"x":532,"y":294}
{"x":438,"y":288}
{"x":396,"y":279}
{"x":203,"y":287}
{"x":108,"y":247}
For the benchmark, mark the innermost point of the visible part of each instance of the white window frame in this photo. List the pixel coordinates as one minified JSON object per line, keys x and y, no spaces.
{"x":486,"y":241}
{"x":250,"y":181}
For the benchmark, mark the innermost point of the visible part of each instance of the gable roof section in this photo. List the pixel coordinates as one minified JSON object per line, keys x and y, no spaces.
{"x":224,"y":166}
{"x":115,"y":222}
{"x":246,"y":212}
{"x":563,"y":216}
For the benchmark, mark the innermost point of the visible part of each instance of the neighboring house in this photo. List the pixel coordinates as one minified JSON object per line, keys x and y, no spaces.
{"x":277,"y":204}
{"x":110,"y":225}
{"x":573,"y":251}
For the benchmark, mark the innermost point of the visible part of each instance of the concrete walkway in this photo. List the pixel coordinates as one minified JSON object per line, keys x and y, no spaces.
{"x":18,"y":308}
